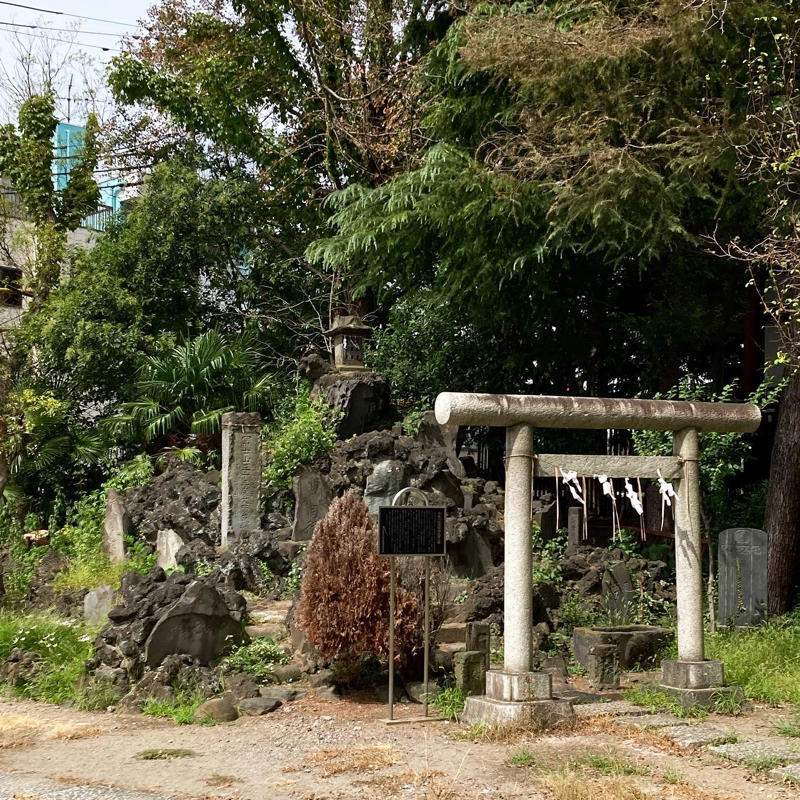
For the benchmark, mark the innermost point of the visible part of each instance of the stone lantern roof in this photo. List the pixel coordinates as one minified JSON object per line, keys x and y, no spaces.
{"x":348,"y":324}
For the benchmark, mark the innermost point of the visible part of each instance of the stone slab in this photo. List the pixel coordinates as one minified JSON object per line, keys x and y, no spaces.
{"x":544,"y":713}
{"x":616,"y":708}
{"x":168,"y":543}
{"x":649,"y":721}
{"x":470,"y":671}
{"x":312,"y":497}
{"x":700,"y":735}
{"x":97,"y":604}
{"x":744,"y":752}
{"x":518,"y":686}
{"x":705,"y":698}
{"x":790,"y":773}
{"x":117,"y":526}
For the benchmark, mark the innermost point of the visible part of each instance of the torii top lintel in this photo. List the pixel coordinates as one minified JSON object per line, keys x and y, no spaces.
{"x":543,"y":411}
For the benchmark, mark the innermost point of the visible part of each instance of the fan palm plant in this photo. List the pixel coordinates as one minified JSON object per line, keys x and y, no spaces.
{"x":187,"y":389}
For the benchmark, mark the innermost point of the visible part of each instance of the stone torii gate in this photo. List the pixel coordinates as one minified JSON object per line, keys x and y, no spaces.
{"x":516,"y":692}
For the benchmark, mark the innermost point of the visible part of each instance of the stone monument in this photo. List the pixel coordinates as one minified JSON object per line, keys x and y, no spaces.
{"x":742,"y":577}
{"x":117,"y":526}
{"x":241,"y":475}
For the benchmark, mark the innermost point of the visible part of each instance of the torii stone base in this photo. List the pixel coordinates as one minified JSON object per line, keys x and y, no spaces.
{"x":525,"y":698}
{"x":698,"y":683}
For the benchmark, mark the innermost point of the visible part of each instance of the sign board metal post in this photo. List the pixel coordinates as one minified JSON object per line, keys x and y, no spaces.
{"x":410,"y":531}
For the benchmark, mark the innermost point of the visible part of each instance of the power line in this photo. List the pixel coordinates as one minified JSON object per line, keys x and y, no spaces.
{"x":61,"y":30}
{"x":65,"y":41}
{"x":66,"y":14}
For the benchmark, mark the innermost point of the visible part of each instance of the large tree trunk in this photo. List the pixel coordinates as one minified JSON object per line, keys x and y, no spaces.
{"x":782,"y":517}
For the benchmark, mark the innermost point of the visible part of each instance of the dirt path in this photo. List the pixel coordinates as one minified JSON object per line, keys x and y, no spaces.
{"x":340,"y":750}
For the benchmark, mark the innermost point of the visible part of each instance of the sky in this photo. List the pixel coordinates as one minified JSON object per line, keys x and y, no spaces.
{"x":92,"y":35}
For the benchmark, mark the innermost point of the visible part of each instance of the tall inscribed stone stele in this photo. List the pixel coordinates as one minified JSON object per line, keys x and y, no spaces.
{"x":241,"y":475}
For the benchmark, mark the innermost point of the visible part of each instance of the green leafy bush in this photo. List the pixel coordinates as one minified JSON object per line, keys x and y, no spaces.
{"x":81,"y":539}
{"x":257,"y":658}
{"x":180,"y":709}
{"x":547,"y":556}
{"x":450,"y":701}
{"x":300,"y":437}
{"x":61,"y":649}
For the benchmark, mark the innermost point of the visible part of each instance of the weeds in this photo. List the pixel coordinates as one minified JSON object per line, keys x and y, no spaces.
{"x":764,"y":661}
{"x":655,"y":699}
{"x":521,"y":758}
{"x":257,"y":658}
{"x":165,"y":754}
{"x":180,"y":709}
{"x":59,"y":648}
{"x":450,"y":702}
{"x":608,"y":764}
{"x":789,"y":727}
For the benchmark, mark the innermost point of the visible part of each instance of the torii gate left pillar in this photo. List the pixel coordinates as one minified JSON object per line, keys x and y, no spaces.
{"x":516,"y":693}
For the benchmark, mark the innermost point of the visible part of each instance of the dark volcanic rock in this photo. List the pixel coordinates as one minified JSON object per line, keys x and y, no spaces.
{"x":363,"y":398}
{"x":164,"y":616}
{"x":183,"y":498}
{"x":199,"y":624}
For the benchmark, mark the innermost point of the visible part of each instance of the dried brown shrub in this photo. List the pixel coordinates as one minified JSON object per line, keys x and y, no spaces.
{"x":344,"y":598}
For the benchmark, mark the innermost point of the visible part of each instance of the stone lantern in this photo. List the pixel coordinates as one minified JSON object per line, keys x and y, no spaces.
{"x":347,"y":334}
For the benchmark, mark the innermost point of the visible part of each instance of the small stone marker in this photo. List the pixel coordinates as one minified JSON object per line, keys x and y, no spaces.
{"x":742,"y":577}
{"x":470,"y":671}
{"x":118,"y":525}
{"x":97,"y":604}
{"x":574,"y":528}
{"x":168,"y":543}
{"x":241,"y":475}
{"x":602,"y":665}
{"x":312,"y":497}
{"x":478,"y":637}
{"x":618,"y":594}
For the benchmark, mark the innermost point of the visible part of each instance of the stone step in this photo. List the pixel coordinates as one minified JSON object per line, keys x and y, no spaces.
{"x":452,"y":632}
{"x":442,"y":655}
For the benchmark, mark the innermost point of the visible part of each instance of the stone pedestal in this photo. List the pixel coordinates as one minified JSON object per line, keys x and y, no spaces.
{"x":697,"y":683}
{"x":241,"y":475}
{"x":517,"y":697}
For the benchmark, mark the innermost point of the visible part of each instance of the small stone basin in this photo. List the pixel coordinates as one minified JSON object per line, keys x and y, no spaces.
{"x":637,"y":645}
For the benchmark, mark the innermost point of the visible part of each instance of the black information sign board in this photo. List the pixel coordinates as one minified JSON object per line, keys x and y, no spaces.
{"x":411,"y":531}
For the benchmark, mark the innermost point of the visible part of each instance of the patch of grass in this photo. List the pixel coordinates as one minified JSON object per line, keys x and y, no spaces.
{"x":521,"y":758}
{"x":672,"y":777}
{"x":608,"y":764}
{"x":257,"y":658}
{"x":96,"y":695}
{"x":217,"y":780}
{"x":165,"y":754}
{"x":180,"y":709}
{"x":788,"y":727}
{"x":569,"y":785}
{"x":60,"y":647}
{"x":763,"y":763}
{"x":764,"y":661}
{"x":450,"y":702}
{"x":368,"y":758}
